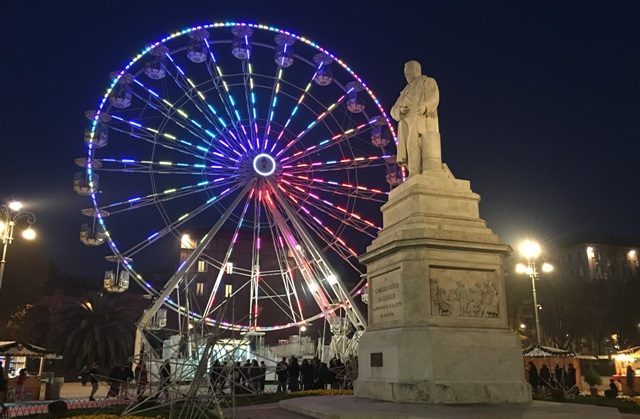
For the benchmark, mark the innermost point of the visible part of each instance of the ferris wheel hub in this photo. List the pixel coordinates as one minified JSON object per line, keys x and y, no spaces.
{"x":264,"y":164}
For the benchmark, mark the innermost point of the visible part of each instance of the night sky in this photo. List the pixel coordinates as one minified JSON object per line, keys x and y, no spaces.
{"x":539,"y":101}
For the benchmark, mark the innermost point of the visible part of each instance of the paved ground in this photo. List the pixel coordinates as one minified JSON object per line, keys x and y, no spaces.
{"x":75,"y":391}
{"x":264,"y":411}
{"x":350,"y":407}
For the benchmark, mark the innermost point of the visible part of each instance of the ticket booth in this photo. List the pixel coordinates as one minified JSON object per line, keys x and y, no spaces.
{"x":18,"y":355}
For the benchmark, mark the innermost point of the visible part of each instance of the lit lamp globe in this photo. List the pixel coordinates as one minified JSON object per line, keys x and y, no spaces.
{"x":15,"y":205}
{"x":530,"y":249}
{"x":303,"y":328}
{"x":521,"y":268}
{"x":29,"y":234}
{"x":547,"y":267}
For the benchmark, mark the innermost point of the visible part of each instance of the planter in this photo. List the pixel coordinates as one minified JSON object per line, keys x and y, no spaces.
{"x":594,"y":391}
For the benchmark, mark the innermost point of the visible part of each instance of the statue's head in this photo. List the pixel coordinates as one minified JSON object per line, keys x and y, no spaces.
{"x":412,"y":69}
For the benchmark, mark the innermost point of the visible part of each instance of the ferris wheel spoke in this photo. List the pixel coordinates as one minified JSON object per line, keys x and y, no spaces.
{"x":205,"y":108}
{"x":169,"y":141}
{"x":137,"y":202}
{"x":328,"y":236}
{"x":250,"y":99}
{"x":336,"y":212}
{"x":185,"y":266}
{"x":174,"y":224}
{"x":338,"y":188}
{"x":160,"y":167}
{"x":325,"y":233}
{"x":318,"y":198}
{"x":309,"y":272}
{"x":169,"y":110}
{"x":227,"y":99}
{"x":296,"y":107}
{"x":255,"y":261}
{"x":319,"y":118}
{"x":275,"y":298}
{"x":338,"y":292}
{"x":349,"y":163}
{"x":285,"y":268}
{"x":227,"y":256}
{"x":328,"y":143}
{"x":273,"y":100}
{"x":208,"y":138}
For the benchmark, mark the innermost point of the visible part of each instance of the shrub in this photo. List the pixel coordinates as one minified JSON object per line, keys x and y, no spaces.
{"x":592,"y":377}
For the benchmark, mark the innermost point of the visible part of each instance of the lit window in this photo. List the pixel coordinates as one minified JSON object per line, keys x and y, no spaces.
{"x":199,"y":289}
{"x":229,"y":268}
{"x":228,"y":290}
{"x":202,"y":266}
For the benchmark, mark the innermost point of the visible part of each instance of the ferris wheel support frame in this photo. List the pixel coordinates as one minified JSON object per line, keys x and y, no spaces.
{"x":336,"y":285}
{"x":180,"y":274}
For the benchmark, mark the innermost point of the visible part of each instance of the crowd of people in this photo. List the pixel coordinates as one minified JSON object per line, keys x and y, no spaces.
{"x":291,"y":375}
{"x":310,"y":375}
{"x":249,"y":377}
{"x":544,"y":380}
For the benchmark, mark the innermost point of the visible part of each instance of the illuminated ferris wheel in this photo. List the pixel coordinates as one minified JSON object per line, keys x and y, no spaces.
{"x":249,"y":134}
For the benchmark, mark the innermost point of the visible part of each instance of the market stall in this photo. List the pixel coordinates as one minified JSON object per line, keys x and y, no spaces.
{"x":553,"y":357}
{"x":623,"y":359}
{"x":16,"y":356}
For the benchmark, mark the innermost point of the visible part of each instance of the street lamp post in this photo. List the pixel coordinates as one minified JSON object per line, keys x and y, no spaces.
{"x":530,"y":250}
{"x":10,"y":215}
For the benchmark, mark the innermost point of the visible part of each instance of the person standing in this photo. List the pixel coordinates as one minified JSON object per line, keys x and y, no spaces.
{"x":545,"y":376}
{"x":115,"y":379}
{"x":254,"y":377}
{"x":281,"y":373}
{"x":262,"y":378}
{"x":323,"y":377}
{"x":84,"y":375}
{"x":533,"y":377}
{"x":93,"y":377}
{"x":20,"y":380}
{"x":559,"y":375}
{"x":306,"y":373}
{"x":571,"y":376}
{"x":214,"y":376}
{"x":294,"y":374}
{"x":3,"y":390}
{"x":631,"y":378}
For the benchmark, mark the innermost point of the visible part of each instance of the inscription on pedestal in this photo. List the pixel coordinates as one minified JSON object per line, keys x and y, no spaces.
{"x":386,"y":298}
{"x":457,"y":292}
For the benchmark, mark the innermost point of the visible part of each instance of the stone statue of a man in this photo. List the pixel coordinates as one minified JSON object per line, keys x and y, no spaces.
{"x":416,"y":111}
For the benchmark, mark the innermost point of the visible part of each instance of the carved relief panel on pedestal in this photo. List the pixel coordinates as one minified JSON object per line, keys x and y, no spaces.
{"x":464,"y":293}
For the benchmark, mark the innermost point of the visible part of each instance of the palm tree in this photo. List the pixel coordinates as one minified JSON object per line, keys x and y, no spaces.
{"x":96,"y":330}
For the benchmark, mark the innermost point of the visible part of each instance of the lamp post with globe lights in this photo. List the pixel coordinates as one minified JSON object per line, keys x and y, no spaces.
{"x":10,"y":215}
{"x":530,"y":250}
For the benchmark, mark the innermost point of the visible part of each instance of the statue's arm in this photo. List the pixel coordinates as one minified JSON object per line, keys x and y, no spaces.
{"x":431,"y":96}
{"x":397,"y":110}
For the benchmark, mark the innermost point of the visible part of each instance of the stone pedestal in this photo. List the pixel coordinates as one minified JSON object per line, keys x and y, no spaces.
{"x":437,"y":310}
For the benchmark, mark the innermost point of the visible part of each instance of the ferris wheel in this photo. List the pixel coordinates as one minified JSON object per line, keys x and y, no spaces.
{"x":270,"y":146}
